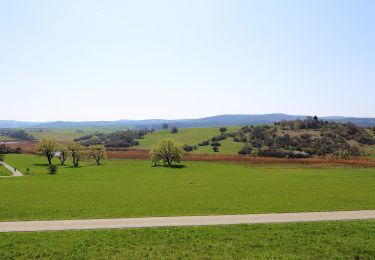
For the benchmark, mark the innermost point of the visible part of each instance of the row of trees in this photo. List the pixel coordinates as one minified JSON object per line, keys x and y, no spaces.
{"x":167,"y":151}
{"x":49,"y":148}
{"x":6,"y":149}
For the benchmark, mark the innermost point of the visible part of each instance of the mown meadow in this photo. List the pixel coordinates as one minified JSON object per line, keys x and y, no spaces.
{"x":132,"y":188}
{"x":4,"y":172}
{"x":322,"y":240}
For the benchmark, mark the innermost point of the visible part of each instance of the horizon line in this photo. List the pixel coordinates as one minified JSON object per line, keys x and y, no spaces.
{"x":175,"y":119}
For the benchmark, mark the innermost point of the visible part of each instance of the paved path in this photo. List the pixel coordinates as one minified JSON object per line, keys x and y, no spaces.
{"x":15,"y":173}
{"x":22,"y":226}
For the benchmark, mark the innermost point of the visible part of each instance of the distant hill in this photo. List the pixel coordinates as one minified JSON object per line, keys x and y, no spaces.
{"x":17,"y":124}
{"x":214,"y":121}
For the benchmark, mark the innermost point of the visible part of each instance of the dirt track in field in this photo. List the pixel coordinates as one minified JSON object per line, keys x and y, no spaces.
{"x":15,"y":172}
{"x":85,"y":224}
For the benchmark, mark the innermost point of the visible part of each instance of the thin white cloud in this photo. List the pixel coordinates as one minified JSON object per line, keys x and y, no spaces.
{"x":93,"y":13}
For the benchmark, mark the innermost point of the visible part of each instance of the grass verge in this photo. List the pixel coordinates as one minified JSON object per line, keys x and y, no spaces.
{"x":321,"y":240}
{"x":4,"y":171}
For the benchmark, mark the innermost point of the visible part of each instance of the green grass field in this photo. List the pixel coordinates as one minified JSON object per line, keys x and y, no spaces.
{"x":126,"y":188}
{"x":62,"y":135}
{"x":228,"y":147}
{"x":4,"y":138}
{"x":4,"y":172}
{"x":190,"y":136}
{"x":193,"y":136}
{"x":324,"y":240}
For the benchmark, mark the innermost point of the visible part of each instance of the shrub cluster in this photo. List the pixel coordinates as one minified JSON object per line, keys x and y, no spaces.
{"x":6,"y":149}
{"x":331,"y":138}
{"x":246,"y":150}
{"x":52,"y":169}
{"x":219,"y":138}
{"x":215,"y":144}
{"x":17,"y":134}
{"x":189,"y":148}
{"x":204,"y":143}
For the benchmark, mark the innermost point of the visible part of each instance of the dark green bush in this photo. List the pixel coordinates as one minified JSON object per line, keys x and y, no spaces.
{"x":204,"y":143}
{"x":52,"y":169}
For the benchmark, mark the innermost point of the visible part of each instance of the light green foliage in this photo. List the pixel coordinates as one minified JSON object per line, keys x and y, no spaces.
{"x":97,"y":152}
{"x":168,"y":151}
{"x":344,"y":154}
{"x":322,"y":240}
{"x":47,"y":147}
{"x":64,"y":152}
{"x":131,"y":188}
{"x":76,"y":152}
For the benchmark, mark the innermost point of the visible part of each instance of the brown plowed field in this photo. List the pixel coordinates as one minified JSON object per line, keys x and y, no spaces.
{"x":125,"y":153}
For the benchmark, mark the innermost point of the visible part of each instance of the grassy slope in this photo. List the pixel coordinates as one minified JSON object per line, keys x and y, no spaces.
{"x":63,"y":135}
{"x":124,"y":188}
{"x":228,"y":147}
{"x":325,"y":240}
{"x":190,"y":136}
{"x":193,"y":136}
{"x":4,"y":171}
{"x":4,"y":138}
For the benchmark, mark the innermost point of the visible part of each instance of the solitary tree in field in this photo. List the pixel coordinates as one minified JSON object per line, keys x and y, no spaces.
{"x":97,"y":152}
{"x":168,"y":151}
{"x":63,"y":153}
{"x":223,"y":130}
{"x":174,"y":130}
{"x":47,"y":147}
{"x":76,"y":151}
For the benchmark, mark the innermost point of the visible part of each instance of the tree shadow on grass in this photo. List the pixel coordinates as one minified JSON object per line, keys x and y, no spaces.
{"x":58,"y":165}
{"x":178,"y":166}
{"x":75,"y":167}
{"x":41,"y":164}
{"x":175,"y":166}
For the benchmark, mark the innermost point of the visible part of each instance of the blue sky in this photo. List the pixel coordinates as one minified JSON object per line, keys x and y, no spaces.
{"x":106,"y":60}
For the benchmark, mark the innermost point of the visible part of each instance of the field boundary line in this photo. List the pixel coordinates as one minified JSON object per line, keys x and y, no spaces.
{"x":121,"y":223}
